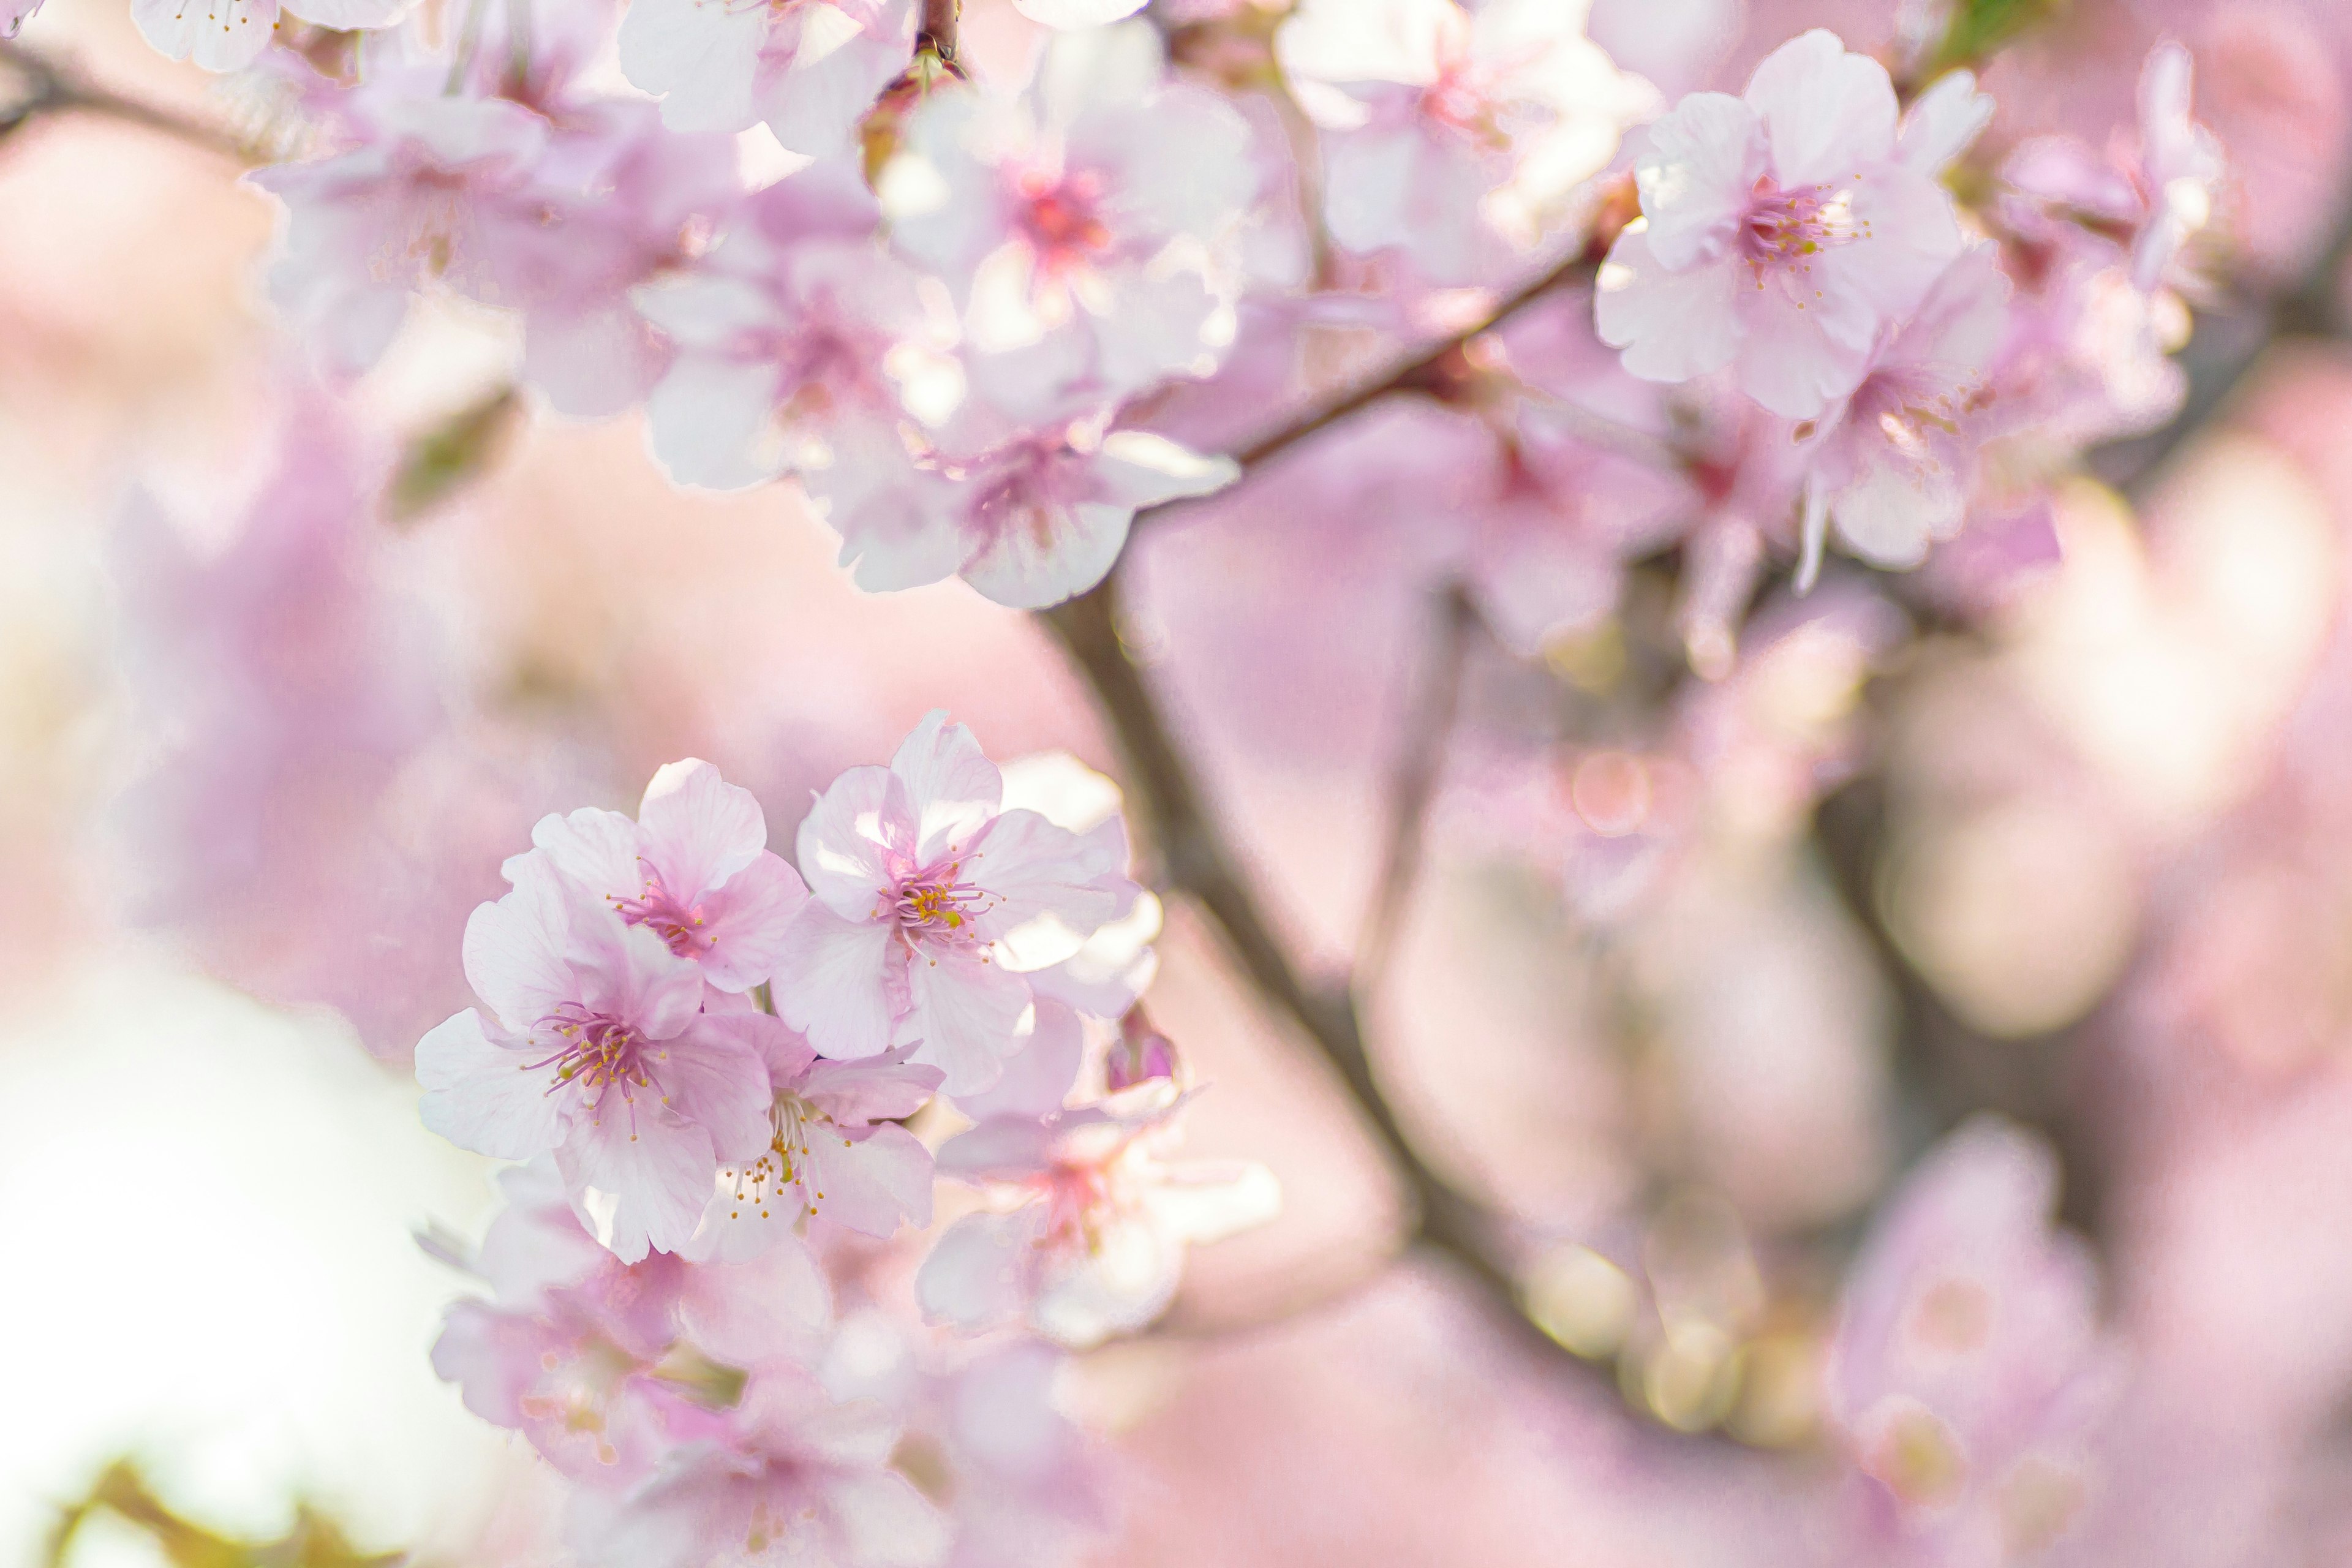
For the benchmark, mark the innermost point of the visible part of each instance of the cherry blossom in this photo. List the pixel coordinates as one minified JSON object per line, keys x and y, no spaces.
{"x":792,"y":1472}
{"x":1088,"y":228}
{"x":1969,"y":1373}
{"x":1779,"y":236}
{"x":597,"y":1048}
{"x":1029,"y":522}
{"x":795,"y":332}
{"x":694,"y":868}
{"x":930,"y":904}
{"x":1894,"y":470}
{"x":442,"y":191}
{"x":1093,"y":1242}
{"x":2159,"y":193}
{"x":836,"y":1150}
{"x":15,"y":14}
{"x":808,"y":68}
{"x":222,"y":34}
{"x":1456,"y":133}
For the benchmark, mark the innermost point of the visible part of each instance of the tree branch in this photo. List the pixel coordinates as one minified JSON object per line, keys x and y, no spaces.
{"x":1199,"y":864}
{"x":1419,"y":767}
{"x":1426,"y":370}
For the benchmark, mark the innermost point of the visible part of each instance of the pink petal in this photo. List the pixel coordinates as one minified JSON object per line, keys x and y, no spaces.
{"x":1039,"y":1076}
{"x":876,"y":1088}
{"x":514,"y":954}
{"x":480,"y":1095}
{"x":719,"y":1083}
{"x":951,"y":787}
{"x":833,"y":984}
{"x":1697,"y":177}
{"x":973,"y":1278}
{"x":841,"y":843}
{"x":598,"y":849}
{"x":965,"y":1013}
{"x":747,"y":921}
{"x":638,"y":1182}
{"x":1051,"y":888}
{"x":874,"y":1182}
{"x":698,"y":829}
{"x":1826,"y":111}
{"x":1672,"y":325}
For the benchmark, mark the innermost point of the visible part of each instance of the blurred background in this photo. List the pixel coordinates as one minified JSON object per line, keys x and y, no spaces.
{"x":1695,"y":975}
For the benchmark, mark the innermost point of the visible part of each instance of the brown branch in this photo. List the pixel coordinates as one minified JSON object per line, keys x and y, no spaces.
{"x":937,"y":32}
{"x":1198,"y":863}
{"x":1424,"y":370}
{"x":1419,"y":763}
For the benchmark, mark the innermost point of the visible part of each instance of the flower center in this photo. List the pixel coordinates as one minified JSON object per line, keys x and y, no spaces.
{"x":1059,"y":215}
{"x":759,"y":1185}
{"x":677,"y":922}
{"x":598,"y":1053}
{"x":938,"y":902}
{"x":1786,"y":228}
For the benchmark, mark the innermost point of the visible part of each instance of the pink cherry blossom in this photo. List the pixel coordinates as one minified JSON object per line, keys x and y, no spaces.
{"x":596,"y":1047}
{"x":808,"y":69}
{"x":1090,"y":1242}
{"x":795,"y":331}
{"x":15,"y":14}
{"x":1090,"y":228}
{"x":1779,"y":237}
{"x":2160,"y":191}
{"x":1455,"y":133}
{"x":694,"y":868}
{"x":794,"y":1472}
{"x":835,"y":1151}
{"x":1968,"y":1371}
{"x":1895,"y":469}
{"x":442,"y":192}
{"x":930,"y":904}
{"x":1029,"y":522}
{"x":589,"y":1357}
{"x":222,"y":34}
{"x":488,"y":198}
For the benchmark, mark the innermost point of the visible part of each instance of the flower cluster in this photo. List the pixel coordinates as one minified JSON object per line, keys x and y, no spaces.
{"x":710,"y":1064}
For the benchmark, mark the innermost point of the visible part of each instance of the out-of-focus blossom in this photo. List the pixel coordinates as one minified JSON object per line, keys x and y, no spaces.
{"x":222,"y":34}
{"x":15,"y":14}
{"x":930,"y":902}
{"x":1543,"y":553}
{"x":1969,"y":1373}
{"x":1455,"y":133}
{"x":1895,"y":469}
{"x":1942,"y":123}
{"x":483,"y":196}
{"x":2159,"y":193}
{"x":1780,"y":236}
{"x":835,"y":1151}
{"x":796,"y":333}
{"x":1093,"y":1242}
{"x":1029,"y":522}
{"x":597,"y":1048}
{"x":808,"y":69}
{"x":1090,"y":228}
{"x":791,"y":1472}
{"x":694,"y":868}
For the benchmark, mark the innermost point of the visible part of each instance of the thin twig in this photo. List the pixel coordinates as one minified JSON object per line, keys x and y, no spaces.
{"x":1421,"y":371}
{"x":1198,"y":863}
{"x":1420,"y":761}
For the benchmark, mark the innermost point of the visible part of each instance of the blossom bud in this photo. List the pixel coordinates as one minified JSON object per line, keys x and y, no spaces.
{"x":1142,"y":1053}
